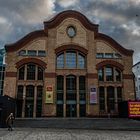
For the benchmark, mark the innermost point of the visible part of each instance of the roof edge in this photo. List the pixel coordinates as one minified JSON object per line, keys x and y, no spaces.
{"x":23,"y":41}
{"x":116,"y":45}
{"x":55,"y":21}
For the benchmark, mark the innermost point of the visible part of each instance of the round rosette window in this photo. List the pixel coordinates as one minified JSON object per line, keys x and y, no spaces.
{"x":71,"y":31}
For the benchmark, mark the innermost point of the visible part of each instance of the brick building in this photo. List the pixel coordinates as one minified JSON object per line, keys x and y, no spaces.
{"x":68,"y":69}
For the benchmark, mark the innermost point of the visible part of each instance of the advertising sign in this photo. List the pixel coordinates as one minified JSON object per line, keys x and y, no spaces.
{"x":134,"y":109}
{"x":93,"y":95}
{"x":49,"y":95}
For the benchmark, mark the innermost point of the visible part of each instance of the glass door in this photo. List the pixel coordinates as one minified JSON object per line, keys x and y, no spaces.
{"x":71,"y":110}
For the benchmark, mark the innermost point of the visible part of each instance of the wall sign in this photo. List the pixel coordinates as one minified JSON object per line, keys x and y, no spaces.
{"x":93,"y":95}
{"x":49,"y":95}
{"x":134,"y":109}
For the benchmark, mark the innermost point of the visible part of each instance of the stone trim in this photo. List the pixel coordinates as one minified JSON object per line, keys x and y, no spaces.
{"x":128,"y":76}
{"x":50,"y":75}
{"x":109,"y":62}
{"x":92,"y":75}
{"x":54,"y":22}
{"x":71,"y":47}
{"x":22,"y":42}
{"x":11,"y":74}
{"x":31,"y":60}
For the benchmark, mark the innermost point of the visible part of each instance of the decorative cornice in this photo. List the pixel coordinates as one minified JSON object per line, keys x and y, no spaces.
{"x":22,"y":42}
{"x":11,"y":74}
{"x":71,"y":47}
{"x":31,"y":60}
{"x":92,"y":75}
{"x":128,"y":76}
{"x":113,"y":43}
{"x":70,"y":14}
{"x":50,"y":75}
{"x":110,"y":62}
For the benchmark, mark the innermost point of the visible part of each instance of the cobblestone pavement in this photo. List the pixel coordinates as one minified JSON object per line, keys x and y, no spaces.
{"x":66,"y":134}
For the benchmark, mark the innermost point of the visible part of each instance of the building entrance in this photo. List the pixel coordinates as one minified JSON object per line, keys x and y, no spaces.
{"x":71,"y":96}
{"x":71,"y":110}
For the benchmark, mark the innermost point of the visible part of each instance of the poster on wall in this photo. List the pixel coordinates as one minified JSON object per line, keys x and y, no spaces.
{"x":134,"y":109}
{"x":49,"y":95}
{"x":93,"y":95}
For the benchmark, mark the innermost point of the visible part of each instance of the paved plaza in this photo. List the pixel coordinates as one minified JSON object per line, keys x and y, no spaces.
{"x":66,"y":134}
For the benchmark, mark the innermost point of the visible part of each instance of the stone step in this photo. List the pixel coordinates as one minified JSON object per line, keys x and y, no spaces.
{"x":82,"y":123}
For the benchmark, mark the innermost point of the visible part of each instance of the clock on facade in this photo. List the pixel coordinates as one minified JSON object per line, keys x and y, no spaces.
{"x":71,"y":31}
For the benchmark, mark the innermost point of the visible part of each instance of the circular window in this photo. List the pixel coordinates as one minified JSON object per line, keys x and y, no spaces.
{"x":71,"y":31}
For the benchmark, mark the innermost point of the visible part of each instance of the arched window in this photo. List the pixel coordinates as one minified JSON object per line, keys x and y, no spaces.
{"x":39,"y":91}
{"x":30,"y":71}
{"x":109,"y":73}
{"x":71,"y":87}
{"x":39,"y":101}
{"x":101,"y":74}
{"x":118,"y":75}
{"x":60,"y":60}
{"x":71,"y":82}
{"x":21,"y":73}
{"x":81,"y":61}
{"x":33,"y":76}
{"x":60,"y":82}
{"x":110,"y":99}
{"x":30,"y":91}
{"x":39,"y":73}
{"x":60,"y":88}
{"x":60,"y":95}
{"x":20,"y":92}
{"x":82,"y":88}
{"x":29,"y":103}
{"x":119,"y":94}
{"x":102,"y":98}
{"x":71,"y":60}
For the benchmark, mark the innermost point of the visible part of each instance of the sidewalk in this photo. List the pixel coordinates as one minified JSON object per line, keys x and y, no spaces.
{"x":81,"y":123}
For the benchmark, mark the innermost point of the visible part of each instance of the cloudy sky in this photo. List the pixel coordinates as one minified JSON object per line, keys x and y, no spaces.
{"x":119,"y":19}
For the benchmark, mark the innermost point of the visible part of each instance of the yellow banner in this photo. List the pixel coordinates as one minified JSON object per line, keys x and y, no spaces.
{"x":49,"y":95}
{"x":134,"y":109}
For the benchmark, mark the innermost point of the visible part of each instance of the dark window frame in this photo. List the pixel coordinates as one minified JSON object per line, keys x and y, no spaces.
{"x":31,"y":73}
{"x":32,"y":52}
{"x":22,"y":53}
{"x":21,"y":73}
{"x":75,"y":60}
{"x":42,"y":53}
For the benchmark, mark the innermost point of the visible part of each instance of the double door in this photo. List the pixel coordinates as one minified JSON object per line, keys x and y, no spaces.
{"x":71,"y":102}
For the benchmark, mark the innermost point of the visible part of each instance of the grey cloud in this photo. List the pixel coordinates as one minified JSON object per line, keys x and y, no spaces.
{"x":24,"y":16}
{"x":111,"y":17}
{"x":27,"y":11}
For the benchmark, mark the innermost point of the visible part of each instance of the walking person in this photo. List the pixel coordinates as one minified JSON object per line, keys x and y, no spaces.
{"x":9,"y":121}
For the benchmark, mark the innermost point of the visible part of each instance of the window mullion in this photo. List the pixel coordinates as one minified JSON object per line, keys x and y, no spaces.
{"x":25,"y":75}
{"x":77,"y":63}
{"x":36,"y":72}
{"x":64,"y":60}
